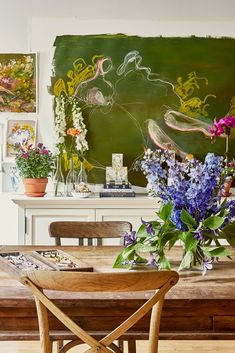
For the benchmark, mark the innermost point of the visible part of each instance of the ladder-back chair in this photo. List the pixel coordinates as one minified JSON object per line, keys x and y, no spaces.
{"x":159,"y":282}
{"x":94,"y":232}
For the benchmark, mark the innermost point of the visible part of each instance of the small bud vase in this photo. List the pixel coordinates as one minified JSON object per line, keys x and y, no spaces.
{"x":82,"y":175}
{"x":58,"y":179}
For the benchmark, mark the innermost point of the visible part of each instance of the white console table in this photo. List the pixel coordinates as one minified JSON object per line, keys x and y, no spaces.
{"x":35,"y":213}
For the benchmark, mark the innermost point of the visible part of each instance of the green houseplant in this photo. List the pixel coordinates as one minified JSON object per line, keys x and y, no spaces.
{"x":35,"y":165}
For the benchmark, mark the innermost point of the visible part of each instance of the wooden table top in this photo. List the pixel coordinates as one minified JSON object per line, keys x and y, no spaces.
{"x":218,"y":283}
{"x":198,"y":307}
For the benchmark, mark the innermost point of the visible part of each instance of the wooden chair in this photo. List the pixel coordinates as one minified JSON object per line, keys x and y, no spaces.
{"x":126,"y":281}
{"x":92,"y":231}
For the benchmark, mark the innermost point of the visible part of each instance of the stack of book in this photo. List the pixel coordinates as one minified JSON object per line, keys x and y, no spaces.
{"x":117,"y":190}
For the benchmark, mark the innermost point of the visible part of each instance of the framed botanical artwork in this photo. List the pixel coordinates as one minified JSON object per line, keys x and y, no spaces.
{"x":18,"y":132}
{"x":10,"y":179}
{"x":18,"y":82}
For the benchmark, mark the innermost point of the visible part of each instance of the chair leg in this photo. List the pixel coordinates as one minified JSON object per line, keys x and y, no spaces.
{"x":131,"y":346}
{"x":59,"y":345}
{"x":121,"y":345}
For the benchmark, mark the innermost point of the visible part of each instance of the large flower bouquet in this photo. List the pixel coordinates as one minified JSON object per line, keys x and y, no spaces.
{"x":192,"y":211}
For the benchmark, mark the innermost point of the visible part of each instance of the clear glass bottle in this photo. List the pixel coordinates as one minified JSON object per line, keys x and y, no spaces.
{"x":71,"y":179}
{"x":82,"y":175}
{"x":58,"y":179}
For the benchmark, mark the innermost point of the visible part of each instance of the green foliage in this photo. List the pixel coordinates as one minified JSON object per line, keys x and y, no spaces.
{"x":35,"y":162}
{"x":200,"y":241}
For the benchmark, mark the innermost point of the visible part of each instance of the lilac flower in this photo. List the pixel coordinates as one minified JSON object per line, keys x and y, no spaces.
{"x":206,"y":265}
{"x":129,"y":262}
{"x":149,"y":227}
{"x":152,"y":261}
{"x":198,"y":235}
{"x":129,"y":239}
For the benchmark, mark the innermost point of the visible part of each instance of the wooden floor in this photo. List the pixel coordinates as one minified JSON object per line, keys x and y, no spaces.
{"x":164,"y":347}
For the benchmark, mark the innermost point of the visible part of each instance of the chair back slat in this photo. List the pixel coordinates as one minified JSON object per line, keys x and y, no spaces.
{"x":88,"y":230}
{"x":123,"y":281}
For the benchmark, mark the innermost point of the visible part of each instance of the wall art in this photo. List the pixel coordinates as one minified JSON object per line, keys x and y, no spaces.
{"x":18,"y":82}
{"x":136,"y":92}
{"x":18,"y":132}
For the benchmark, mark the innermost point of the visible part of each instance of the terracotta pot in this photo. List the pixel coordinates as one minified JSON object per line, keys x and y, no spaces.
{"x":35,"y":187}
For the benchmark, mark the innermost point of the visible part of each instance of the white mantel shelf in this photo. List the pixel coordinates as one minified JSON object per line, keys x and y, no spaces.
{"x":70,"y":202}
{"x":35,"y":213}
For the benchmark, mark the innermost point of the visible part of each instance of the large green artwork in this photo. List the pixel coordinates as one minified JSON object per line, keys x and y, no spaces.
{"x":138,"y":92}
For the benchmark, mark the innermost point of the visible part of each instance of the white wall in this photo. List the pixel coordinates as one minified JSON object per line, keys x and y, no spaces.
{"x":32,"y":25}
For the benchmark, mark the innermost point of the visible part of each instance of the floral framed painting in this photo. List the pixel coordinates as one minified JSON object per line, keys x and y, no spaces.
{"x":18,"y":132}
{"x":18,"y":82}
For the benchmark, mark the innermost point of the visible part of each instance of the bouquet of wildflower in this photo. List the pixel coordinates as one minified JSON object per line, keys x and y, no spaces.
{"x":192,"y":211}
{"x":34,"y":162}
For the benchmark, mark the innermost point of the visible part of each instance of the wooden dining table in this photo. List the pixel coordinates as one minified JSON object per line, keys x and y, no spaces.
{"x":198,"y":307}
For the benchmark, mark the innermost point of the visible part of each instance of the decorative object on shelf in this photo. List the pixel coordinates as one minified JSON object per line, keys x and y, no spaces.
{"x":117,"y":184}
{"x":58,"y":179}
{"x":192,"y":211}
{"x":72,"y":178}
{"x":34,"y":163}
{"x":82,"y":191}
{"x":35,"y":187}
{"x":82,"y":175}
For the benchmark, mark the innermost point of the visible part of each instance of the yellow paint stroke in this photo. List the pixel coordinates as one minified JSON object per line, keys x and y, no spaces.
{"x":80,"y":72}
{"x":185,"y":89}
{"x":232,"y":107}
{"x":59,"y":87}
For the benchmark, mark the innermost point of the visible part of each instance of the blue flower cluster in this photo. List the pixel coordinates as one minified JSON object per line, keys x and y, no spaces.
{"x":191,"y":185}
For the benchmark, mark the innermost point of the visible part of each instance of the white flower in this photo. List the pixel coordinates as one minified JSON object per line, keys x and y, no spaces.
{"x":60,"y":120}
{"x":78,"y":123}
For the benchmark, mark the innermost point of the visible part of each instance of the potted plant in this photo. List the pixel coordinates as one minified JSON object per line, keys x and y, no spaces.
{"x":35,"y":165}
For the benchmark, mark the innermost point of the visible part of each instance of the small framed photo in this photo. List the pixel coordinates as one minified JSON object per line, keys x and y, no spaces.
{"x":21,"y":132}
{"x":121,"y":174}
{"x":117,"y":160}
{"x":110,"y":174}
{"x":11,"y":181}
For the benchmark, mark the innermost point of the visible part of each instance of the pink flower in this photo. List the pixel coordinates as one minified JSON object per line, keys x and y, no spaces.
{"x":218,"y":128}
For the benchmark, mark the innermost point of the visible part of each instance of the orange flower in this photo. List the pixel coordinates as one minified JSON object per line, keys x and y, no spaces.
{"x":73,"y":132}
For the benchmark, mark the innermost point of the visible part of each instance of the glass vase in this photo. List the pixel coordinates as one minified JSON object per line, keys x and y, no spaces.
{"x":71,"y":179}
{"x":82,"y":175}
{"x":58,"y":179}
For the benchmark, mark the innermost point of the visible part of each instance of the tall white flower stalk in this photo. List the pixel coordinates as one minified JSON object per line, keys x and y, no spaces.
{"x":78,"y":123}
{"x":60,"y":121}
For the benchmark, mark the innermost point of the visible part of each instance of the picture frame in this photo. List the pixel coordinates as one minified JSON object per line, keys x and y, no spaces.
{"x":18,"y":131}
{"x":10,"y":179}
{"x":18,"y":81}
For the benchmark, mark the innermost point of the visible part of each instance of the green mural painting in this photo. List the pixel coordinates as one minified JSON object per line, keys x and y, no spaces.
{"x":136,"y":92}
